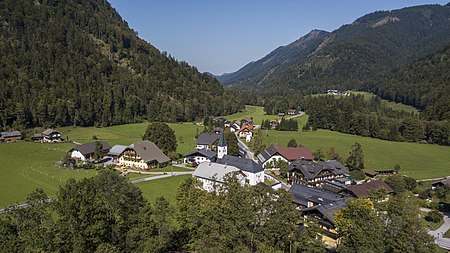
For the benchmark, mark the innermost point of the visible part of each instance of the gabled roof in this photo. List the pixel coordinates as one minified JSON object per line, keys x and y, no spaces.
{"x":9,"y":134}
{"x":304,"y":194}
{"x":117,"y":150}
{"x":207,"y":138}
{"x":246,"y":128}
{"x":362,"y":190}
{"x":329,"y":210}
{"x":311,"y":170}
{"x":89,"y":148}
{"x":148,"y":151}
{"x":50,"y":131}
{"x":214,"y":171}
{"x":289,"y":153}
{"x":445,"y":181}
{"x":244,"y":164}
{"x":202,"y":152}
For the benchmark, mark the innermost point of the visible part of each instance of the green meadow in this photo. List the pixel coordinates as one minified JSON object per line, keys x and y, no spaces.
{"x":26,"y":166}
{"x":166,"y":187}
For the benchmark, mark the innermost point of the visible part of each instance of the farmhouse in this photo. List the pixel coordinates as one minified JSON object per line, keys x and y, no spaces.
{"x":213,"y":174}
{"x":292,"y":112}
{"x":86,"y":151}
{"x":440,"y":184}
{"x":10,"y":136}
{"x":51,"y":135}
{"x":314,"y":174}
{"x":275,"y":154}
{"x":362,"y":190}
{"x":246,"y":130}
{"x":207,"y":141}
{"x":200,"y":156}
{"x":115,"y":151}
{"x":254,"y":173}
{"x":143,"y":155}
{"x":305,"y":197}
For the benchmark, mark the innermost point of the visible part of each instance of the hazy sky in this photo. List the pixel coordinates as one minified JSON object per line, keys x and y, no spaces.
{"x":222,"y":36}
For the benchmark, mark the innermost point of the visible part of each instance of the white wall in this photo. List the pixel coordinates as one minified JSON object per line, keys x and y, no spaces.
{"x":197,"y":159}
{"x":77,"y":155}
{"x":274,"y":159}
{"x":202,"y":146}
{"x":254,"y":178}
{"x":141,"y":164}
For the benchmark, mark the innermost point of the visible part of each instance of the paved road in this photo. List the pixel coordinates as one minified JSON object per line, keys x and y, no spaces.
{"x":297,"y":115}
{"x":438,"y":233}
{"x":250,"y":154}
{"x":169,"y":174}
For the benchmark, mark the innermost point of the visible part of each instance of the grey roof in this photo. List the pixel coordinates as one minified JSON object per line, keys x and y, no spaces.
{"x":244,"y":164}
{"x":311,"y":170}
{"x":214,"y":171}
{"x":266,"y":154}
{"x":207,"y":138}
{"x":117,"y":150}
{"x":202,"y":152}
{"x":222,"y":140}
{"x":89,"y":148}
{"x":49,"y":131}
{"x":9,"y":134}
{"x":302,"y":194}
{"x":148,"y":151}
{"x":329,"y":210}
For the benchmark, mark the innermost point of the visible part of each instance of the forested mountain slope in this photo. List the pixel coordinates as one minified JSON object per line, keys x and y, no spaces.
{"x":78,"y":63}
{"x":400,"y":55}
{"x":257,"y":73}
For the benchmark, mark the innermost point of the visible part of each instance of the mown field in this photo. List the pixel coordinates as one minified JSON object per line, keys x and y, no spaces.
{"x":26,"y":166}
{"x":166,"y":187}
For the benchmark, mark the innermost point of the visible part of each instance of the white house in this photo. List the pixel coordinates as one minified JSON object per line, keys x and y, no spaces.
{"x":212,"y":175}
{"x":143,"y":155}
{"x":200,"y":156}
{"x":254,"y":172}
{"x":86,"y":151}
{"x":275,"y":154}
{"x":207,"y":141}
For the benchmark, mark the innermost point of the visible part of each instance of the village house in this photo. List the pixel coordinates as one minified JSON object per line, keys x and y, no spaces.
{"x":10,"y":136}
{"x":442,"y":183}
{"x":314,"y":174}
{"x":362,"y":190}
{"x":115,"y":151}
{"x":143,"y":155}
{"x":234,"y":127}
{"x":292,"y":112}
{"x":254,"y":173}
{"x":375,"y":173}
{"x":304,"y":196}
{"x":207,"y":141}
{"x":86,"y":151}
{"x":212,"y":175}
{"x":273,"y":154}
{"x":199,"y":156}
{"x":51,"y":135}
{"x":245,"y":131}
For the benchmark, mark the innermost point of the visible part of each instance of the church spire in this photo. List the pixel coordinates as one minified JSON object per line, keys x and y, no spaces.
{"x":222,"y":148}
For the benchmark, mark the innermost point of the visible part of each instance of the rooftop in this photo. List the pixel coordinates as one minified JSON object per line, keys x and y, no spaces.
{"x":207,"y":138}
{"x":148,"y":151}
{"x":362,"y":190}
{"x":89,"y":148}
{"x":214,"y":171}
{"x":244,"y":164}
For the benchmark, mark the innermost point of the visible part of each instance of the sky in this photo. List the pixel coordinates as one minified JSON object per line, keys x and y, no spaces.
{"x":223,"y":36}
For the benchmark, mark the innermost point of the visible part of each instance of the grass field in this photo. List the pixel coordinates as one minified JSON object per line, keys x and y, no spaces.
{"x":419,"y":161}
{"x":26,"y":166}
{"x":166,"y":187}
{"x":256,"y":112}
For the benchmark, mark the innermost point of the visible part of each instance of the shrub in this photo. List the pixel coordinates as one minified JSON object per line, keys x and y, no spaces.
{"x":434,"y":216}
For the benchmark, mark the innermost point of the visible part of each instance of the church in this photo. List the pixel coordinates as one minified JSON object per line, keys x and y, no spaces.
{"x":211,"y":173}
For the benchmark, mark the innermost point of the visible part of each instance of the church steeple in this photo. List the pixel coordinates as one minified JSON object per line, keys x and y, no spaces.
{"x":222,"y":148}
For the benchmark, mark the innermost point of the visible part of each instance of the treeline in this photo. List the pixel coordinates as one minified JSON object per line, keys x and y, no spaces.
{"x":78,"y":63}
{"x":87,"y":216}
{"x":283,"y":125}
{"x":354,"y":115}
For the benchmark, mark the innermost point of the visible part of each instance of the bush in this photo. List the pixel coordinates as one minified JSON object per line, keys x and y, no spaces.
{"x":357,"y":175}
{"x":434,"y":216}
{"x":425,"y":194}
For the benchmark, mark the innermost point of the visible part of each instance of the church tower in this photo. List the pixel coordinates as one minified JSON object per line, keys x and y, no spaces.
{"x":222,"y":148}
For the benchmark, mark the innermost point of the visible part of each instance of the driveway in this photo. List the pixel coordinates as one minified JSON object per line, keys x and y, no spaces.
{"x":438,"y":233}
{"x":250,"y":154}
{"x":169,"y":174}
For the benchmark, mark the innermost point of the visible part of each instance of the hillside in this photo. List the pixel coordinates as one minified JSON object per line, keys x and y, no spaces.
{"x":257,"y":73}
{"x":369,"y":53}
{"x":78,"y":63}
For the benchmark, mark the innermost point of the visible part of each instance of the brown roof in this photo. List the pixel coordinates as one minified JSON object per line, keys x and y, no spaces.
{"x":294,"y":153}
{"x":148,"y":151}
{"x":362,"y":190}
{"x":370,"y":173}
{"x":49,"y":131}
{"x":246,"y":127}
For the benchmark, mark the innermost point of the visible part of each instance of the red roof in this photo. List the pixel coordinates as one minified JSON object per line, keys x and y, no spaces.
{"x":294,"y":153}
{"x":246,"y":128}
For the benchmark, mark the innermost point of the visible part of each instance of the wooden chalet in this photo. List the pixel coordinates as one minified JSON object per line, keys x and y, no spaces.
{"x":315,"y":174}
{"x":10,"y":136}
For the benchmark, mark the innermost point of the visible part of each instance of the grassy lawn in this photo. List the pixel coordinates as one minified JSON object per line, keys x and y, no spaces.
{"x":419,"y":161}
{"x":134,"y":176}
{"x":26,"y":166}
{"x":129,"y":133}
{"x":447,"y":234}
{"x":256,"y":112}
{"x":166,"y":187}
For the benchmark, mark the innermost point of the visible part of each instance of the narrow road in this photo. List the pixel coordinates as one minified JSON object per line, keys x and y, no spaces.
{"x":297,"y":115}
{"x":169,"y":174}
{"x":439,"y":233}
{"x":250,"y":154}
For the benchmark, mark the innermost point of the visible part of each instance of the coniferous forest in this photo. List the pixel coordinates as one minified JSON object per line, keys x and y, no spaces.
{"x":78,"y":63}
